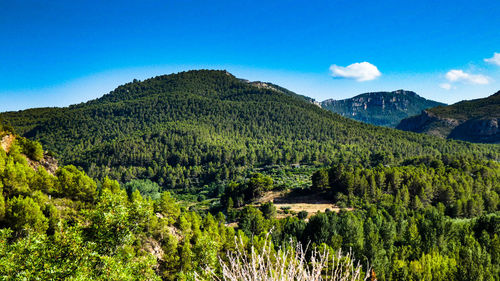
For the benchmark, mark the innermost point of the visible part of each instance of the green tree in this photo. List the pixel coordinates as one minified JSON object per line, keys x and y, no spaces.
{"x":258,"y":184}
{"x":252,"y":222}
{"x":268,"y":210}
{"x":167,"y":206}
{"x":24,"y":214}
{"x":75,"y":184}
{"x":320,"y":180}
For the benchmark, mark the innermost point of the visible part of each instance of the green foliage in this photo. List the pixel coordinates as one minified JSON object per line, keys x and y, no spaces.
{"x":252,"y":221}
{"x":465,"y":187}
{"x":193,"y":128}
{"x":64,"y":227}
{"x":167,"y":206}
{"x":302,"y":215}
{"x":320,"y":180}
{"x":237,"y":194}
{"x":24,"y":214}
{"x":32,"y":149}
{"x":147,"y":188}
{"x":414,"y":245}
{"x":60,"y":227}
{"x":258,"y":184}
{"x":2,"y":205}
{"x":268,"y":210}
{"x":75,"y":184}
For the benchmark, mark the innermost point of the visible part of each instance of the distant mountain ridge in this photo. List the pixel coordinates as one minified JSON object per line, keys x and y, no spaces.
{"x":274,"y":87}
{"x":475,"y":120}
{"x":381,"y":108}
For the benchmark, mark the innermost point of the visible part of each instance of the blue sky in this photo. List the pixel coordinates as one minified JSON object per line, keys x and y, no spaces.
{"x":56,"y":53}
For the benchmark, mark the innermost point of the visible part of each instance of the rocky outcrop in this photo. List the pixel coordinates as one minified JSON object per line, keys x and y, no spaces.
{"x":6,"y":142}
{"x":48,"y":162}
{"x":380,"y":108}
{"x":428,"y":122}
{"x":474,"y":120}
{"x":478,"y":130}
{"x":279,"y":89}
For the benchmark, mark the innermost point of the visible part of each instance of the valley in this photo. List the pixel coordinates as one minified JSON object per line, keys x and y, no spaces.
{"x":159,"y":178}
{"x":250,"y":140}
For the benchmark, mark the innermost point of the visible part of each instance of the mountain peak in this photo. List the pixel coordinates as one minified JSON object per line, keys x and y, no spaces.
{"x":405,"y":92}
{"x":380,"y":108}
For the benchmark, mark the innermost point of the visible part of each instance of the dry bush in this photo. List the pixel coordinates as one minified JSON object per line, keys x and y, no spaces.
{"x":290,"y":263}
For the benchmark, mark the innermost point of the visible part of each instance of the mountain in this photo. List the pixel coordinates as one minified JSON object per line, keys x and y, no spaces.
{"x":475,"y":120}
{"x":381,"y":108}
{"x":198,"y":127}
{"x":268,"y":85}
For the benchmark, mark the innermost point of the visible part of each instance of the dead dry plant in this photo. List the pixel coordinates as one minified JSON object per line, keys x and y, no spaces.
{"x":287,"y":264}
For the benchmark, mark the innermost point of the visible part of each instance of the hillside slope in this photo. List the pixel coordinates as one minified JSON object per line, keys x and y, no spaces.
{"x":474,"y":120}
{"x":67,"y":226}
{"x":197,"y":127}
{"x":380,"y":108}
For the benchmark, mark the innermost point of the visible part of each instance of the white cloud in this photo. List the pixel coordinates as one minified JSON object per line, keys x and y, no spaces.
{"x":494,"y":60}
{"x":446,"y":86}
{"x":458,"y":75}
{"x":360,"y":71}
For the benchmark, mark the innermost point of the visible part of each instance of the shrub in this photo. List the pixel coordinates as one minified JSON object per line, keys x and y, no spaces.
{"x":302,"y":215}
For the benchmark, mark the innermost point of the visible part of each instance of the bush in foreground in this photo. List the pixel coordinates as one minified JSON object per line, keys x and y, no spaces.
{"x":291,"y":263}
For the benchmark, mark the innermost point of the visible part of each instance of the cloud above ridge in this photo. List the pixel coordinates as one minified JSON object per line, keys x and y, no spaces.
{"x":458,"y":75}
{"x":359,"y":71}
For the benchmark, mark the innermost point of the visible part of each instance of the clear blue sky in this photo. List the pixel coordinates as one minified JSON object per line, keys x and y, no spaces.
{"x":55,"y":53}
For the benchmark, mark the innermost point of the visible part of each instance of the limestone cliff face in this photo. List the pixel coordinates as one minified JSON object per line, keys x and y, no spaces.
{"x":474,"y":121}
{"x":274,"y":87}
{"x":478,"y":130}
{"x":428,"y":122}
{"x":380,"y":108}
{"x":6,"y":142}
{"x":48,"y":162}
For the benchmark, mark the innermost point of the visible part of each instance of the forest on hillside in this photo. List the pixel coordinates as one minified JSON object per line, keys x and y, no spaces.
{"x":250,"y":140}
{"x":432,"y":217}
{"x":194,"y":128}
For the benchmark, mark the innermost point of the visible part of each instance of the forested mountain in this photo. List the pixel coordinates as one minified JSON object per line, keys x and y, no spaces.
{"x":474,"y":120}
{"x":197,"y":127}
{"x":408,"y":223}
{"x":380,"y":108}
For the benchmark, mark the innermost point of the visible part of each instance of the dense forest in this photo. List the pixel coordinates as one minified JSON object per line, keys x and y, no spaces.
{"x":68,"y":226}
{"x":192,"y":128}
{"x":167,"y":179}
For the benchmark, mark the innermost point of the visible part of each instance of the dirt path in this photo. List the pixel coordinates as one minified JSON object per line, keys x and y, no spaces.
{"x":311,"y":203}
{"x":7,"y":141}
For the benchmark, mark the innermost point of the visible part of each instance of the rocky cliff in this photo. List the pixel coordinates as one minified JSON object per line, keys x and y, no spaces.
{"x":475,"y":121}
{"x":380,"y":108}
{"x":47,"y":161}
